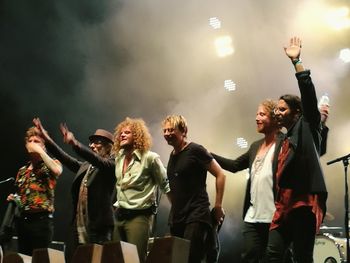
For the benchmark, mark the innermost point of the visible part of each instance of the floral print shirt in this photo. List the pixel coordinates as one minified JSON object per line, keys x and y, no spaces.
{"x":36,"y":188}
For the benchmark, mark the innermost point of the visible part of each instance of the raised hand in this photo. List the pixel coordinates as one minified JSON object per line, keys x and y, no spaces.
{"x":68,"y":136}
{"x":294,"y":48}
{"x":324,"y":110}
{"x":44,"y":134}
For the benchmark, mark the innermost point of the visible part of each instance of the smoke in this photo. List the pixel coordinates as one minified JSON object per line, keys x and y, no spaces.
{"x":93,"y":63}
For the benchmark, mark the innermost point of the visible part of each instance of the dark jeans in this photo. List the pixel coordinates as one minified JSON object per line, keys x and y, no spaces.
{"x":300,"y":230}
{"x":212,"y":246}
{"x":34,"y":231}
{"x":96,"y":236}
{"x":196,"y":233}
{"x":255,"y":237}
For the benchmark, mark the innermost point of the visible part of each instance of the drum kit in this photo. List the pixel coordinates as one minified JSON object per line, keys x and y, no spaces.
{"x":330,"y":245}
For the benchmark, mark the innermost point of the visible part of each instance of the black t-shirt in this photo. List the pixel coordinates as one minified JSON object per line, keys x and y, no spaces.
{"x":187,"y":174}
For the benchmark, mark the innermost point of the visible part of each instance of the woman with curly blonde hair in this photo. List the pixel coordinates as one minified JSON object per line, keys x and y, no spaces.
{"x":139,"y":172}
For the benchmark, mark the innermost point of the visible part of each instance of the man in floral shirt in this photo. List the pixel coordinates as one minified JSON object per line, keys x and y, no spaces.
{"x":35,"y":182}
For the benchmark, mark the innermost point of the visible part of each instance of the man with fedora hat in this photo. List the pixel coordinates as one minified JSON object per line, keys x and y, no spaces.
{"x":93,"y":186}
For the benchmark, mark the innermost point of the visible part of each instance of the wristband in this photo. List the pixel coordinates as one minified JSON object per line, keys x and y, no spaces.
{"x":296,"y":61}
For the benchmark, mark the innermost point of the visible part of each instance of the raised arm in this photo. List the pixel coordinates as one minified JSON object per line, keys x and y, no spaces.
{"x":68,"y":136}
{"x":53,"y":165}
{"x":307,"y":89}
{"x":85,"y":152}
{"x":71,"y":163}
{"x":293,"y":51}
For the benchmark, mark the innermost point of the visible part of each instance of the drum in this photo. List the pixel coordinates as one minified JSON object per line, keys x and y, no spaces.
{"x":327,"y":249}
{"x":341,"y":245}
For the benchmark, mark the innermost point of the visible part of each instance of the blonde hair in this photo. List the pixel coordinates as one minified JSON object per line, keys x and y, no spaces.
{"x":141,"y":136}
{"x":270,"y":106}
{"x":176,"y":121}
{"x":32,"y":131}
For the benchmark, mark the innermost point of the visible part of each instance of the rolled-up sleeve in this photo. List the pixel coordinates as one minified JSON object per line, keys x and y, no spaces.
{"x":160,"y":174}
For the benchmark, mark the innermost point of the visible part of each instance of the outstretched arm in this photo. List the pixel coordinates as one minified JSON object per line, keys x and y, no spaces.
{"x":72,"y":163}
{"x":68,"y":136}
{"x":85,"y":152}
{"x":233,"y":166}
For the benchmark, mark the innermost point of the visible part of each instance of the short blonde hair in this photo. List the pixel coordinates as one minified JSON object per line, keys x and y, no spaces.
{"x":176,"y":121}
{"x":142,"y":137}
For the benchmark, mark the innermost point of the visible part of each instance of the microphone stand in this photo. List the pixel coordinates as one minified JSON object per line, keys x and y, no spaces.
{"x":345,"y":160}
{"x":7,"y":180}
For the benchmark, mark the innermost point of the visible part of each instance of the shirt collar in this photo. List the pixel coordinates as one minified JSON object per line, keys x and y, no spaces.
{"x":137,"y":153}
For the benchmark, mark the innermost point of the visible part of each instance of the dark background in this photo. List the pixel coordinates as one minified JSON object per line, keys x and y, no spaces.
{"x":91,"y":63}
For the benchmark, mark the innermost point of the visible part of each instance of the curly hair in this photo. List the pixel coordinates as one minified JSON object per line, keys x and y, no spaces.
{"x":176,"y":121}
{"x":141,"y":136}
{"x":270,"y":106}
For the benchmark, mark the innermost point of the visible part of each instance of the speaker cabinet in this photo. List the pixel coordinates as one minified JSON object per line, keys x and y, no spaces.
{"x":13,"y":257}
{"x":169,"y":250}
{"x":47,"y":255}
{"x":90,"y":253}
{"x":119,"y":252}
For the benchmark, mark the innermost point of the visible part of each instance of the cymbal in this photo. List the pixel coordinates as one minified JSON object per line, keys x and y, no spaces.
{"x":329,"y":217}
{"x":331,"y":228}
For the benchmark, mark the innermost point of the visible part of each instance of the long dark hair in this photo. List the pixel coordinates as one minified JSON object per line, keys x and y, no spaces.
{"x":294,"y":103}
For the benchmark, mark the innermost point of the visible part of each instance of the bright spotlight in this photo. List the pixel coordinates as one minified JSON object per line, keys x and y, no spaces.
{"x":338,"y":18}
{"x":242,"y":143}
{"x":229,"y":85}
{"x":214,"y":22}
{"x":224,"y":46}
{"x":344,"y":55}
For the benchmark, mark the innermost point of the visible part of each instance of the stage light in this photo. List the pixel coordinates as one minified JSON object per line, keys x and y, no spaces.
{"x":214,"y":22}
{"x":224,"y":46}
{"x":344,"y":55}
{"x":229,"y":85}
{"x":338,"y":18}
{"x":242,"y":143}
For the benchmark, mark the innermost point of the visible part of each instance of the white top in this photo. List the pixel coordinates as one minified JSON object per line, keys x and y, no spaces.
{"x":262,"y":205}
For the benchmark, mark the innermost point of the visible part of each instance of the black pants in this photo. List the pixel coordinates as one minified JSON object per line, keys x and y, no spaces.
{"x":96,"y":236}
{"x":299,"y":229}
{"x":34,"y":231}
{"x":195,"y":232}
{"x":255,"y":237}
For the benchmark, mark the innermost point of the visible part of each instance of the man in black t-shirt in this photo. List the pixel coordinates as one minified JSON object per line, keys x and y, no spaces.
{"x":187,"y":173}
